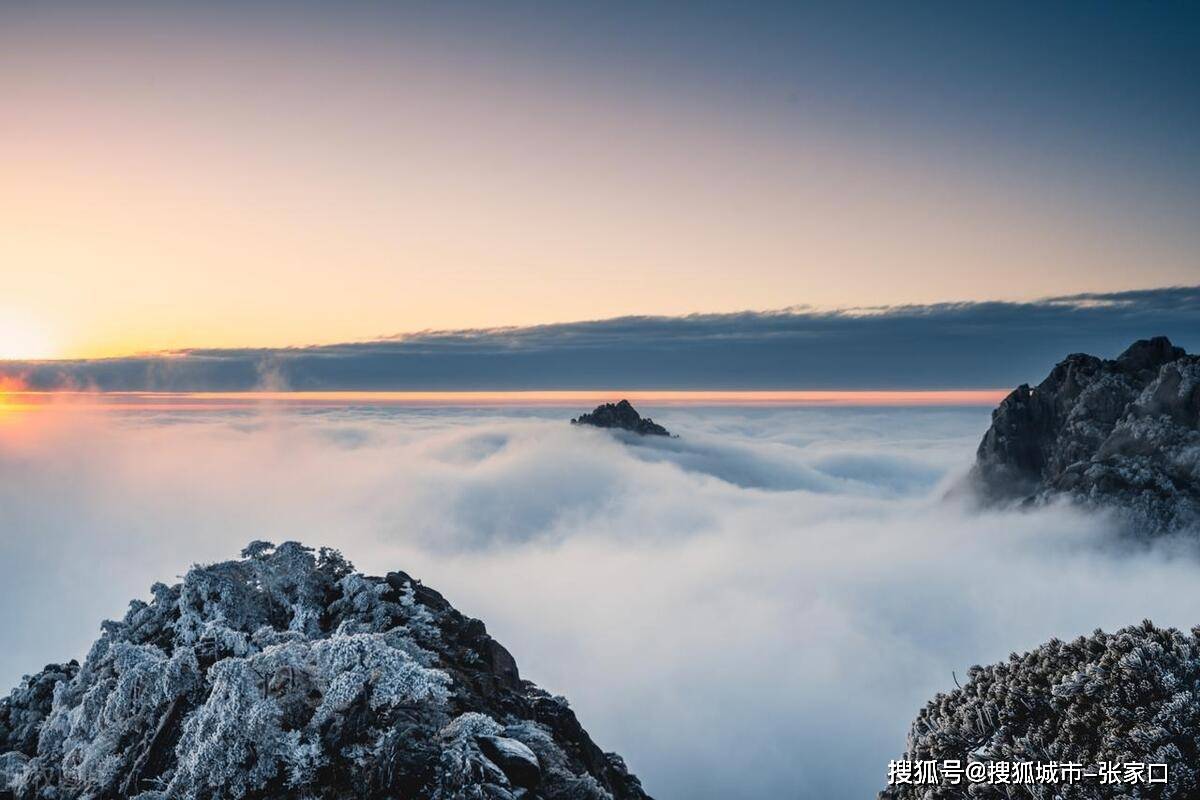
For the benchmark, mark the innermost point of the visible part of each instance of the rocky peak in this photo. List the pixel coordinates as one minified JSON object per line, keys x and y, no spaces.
{"x":1121,"y":433}
{"x":286,"y":674}
{"x":623,"y":416}
{"x":1149,"y":355}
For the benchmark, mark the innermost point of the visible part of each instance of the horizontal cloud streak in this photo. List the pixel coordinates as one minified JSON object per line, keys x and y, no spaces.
{"x":943,"y":346}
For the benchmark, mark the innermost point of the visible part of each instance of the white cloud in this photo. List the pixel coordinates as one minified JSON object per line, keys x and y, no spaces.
{"x":756,"y":609}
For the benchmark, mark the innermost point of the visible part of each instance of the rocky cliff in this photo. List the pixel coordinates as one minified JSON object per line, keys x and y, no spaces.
{"x":285,"y":674}
{"x":1122,"y":433}
{"x":622,"y":416}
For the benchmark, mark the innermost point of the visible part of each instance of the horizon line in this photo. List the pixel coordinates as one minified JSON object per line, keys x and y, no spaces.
{"x":200,"y":401}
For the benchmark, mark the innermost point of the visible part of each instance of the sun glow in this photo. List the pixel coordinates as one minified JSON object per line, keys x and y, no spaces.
{"x":22,"y":339}
{"x":11,"y":390}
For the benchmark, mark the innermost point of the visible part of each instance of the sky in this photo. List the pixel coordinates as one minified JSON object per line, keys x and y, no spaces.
{"x":263,"y":175}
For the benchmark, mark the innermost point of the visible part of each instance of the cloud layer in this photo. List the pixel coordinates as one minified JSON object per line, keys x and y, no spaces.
{"x":756,"y":609}
{"x":943,"y":346}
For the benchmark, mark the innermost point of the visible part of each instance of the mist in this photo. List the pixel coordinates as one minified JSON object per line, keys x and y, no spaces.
{"x":755,"y":609}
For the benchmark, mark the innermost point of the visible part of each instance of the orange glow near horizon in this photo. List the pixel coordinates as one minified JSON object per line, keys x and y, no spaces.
{"x":213,"y":401}
{"x":13,"y":397}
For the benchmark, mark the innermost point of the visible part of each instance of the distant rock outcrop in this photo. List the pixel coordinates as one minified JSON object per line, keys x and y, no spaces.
{"x":621,"y":415}
{"x":286,"y":674}
{"x":1126,"y":698}
{"x":1124,"y":434}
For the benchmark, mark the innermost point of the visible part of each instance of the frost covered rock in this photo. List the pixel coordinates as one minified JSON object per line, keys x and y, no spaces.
{"x":1123,"y":434}
{"x":622,"y":416}
{"x":1128,"y":697}
{"x":514,"y":758}
{"x":26,"y":709}
{"x":285,"y":674}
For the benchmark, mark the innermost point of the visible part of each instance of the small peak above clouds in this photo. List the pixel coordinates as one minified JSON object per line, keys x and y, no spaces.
{"x":622,"y":416}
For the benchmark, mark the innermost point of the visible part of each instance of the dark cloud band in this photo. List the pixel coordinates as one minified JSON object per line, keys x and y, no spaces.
{"x":940,"y":346}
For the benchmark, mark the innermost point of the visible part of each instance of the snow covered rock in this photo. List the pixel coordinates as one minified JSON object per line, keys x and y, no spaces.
{"x":286,"y":674}
{"x":1130,"y":697}
{"x":1123,"y":434}
{"x":623,"y":416}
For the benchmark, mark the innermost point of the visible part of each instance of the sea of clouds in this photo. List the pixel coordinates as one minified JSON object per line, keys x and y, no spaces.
{"x":755,"y":609}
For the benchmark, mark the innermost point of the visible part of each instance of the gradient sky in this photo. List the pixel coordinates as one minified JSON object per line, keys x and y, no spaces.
{"x":258,"y":174}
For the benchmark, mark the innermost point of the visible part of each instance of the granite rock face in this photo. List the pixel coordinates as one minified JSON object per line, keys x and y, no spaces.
{"x":285,"y":674}
{"x":623,"y":416}
{"x":1122,"y":434}
{"x":1128,"y":697}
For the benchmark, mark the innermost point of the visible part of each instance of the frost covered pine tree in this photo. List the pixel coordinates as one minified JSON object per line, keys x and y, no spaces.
{"x":1116,"y":698}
